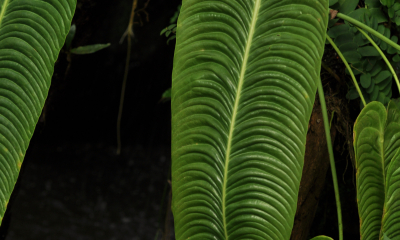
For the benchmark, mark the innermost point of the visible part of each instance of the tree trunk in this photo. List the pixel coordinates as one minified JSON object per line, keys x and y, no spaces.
{"x":316,"y":164}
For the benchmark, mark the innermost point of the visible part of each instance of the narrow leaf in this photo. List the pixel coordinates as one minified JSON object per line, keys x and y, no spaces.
{"x":171,"y":38}
{"x":382,"y":76}
{"x":89,"y":49}
{"x":163,"y":31}
{"x":70,"y":37}
{"x":167,"y":94}
{"x":368,"y":51}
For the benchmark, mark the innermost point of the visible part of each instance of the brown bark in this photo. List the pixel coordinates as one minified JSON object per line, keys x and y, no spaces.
{"x":316,"y":164}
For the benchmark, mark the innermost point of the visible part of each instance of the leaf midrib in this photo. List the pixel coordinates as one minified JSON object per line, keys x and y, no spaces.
{"x":235,"y":109}
{"x":3,"y":10}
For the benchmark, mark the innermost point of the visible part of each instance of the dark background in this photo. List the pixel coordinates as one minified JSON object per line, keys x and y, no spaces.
{"x":73,"y":185}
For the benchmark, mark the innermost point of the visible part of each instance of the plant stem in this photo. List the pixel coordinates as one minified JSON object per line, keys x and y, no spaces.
{"x":348,"y":68}
{"x":383,"y":56}
{"x":368,"y":29}
{"x":331,"y":157}
{"x":129,"y":33}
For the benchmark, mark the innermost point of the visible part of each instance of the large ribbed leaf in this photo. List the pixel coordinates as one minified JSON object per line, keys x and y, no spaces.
{"x":243,"y":87}
{"x":391,"y":212}
{"x":32,"y":33}
{"x":376,"y":145}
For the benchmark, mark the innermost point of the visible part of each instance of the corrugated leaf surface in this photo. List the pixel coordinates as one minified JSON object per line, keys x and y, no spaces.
{"x":32,"y":33}
{"x":243,"y":87}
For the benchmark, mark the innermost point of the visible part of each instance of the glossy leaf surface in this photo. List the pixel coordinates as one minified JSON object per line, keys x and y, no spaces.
{"x":32,"y":33}
{"x":243,"y":86}
{"x":376,"y":145}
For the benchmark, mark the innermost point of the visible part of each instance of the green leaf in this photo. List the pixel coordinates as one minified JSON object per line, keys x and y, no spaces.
{"x":350,"y":46}
{"x":171,"y":38}
{"x":347,"y":6}
{"x":391,"y":217}
{"x":357,"y":68}
{"x":374,"y":25}
{"x":396,"y":6}
{"x":396,"y":58}
{"x":382,"y":76}
{"x":387,"y":90}
{"x":176,"y":15}
{"x":392,"y":50}
{"x":163,"y":31}
{"x":358,"y":13}
{"x":166,"y":94}
{"x":332,"y":22}
{"x":377,"y":145}
{"x":338,"y":30}
{"x":391,"y":12}
{"x":381,"y":29}
{"x":344,"y":38}
{"x":70,"y":37}
{"x":385,"y":237}
{"x":368,"y":131}
{"x":365,"y":80}
{"x":375,"y":93}
{"x":368,"y":51}
{"x":371,"y":87}
{"x":32,"y":33}
{"x":352,"y":56}
{"x":321,"y":238}
{"x":384,"y":31}
{"x":387,"y":32}
{"x":243,"y":88}
{"x":376,"y":69}
{"x":369,"y":63}
{"x":89,"y":49}
{"x":332,"y":2}
{"x":359,"y":40}
{"x":172,"y":26}
{"x":382,"y":85}
{"x":372,"y":3}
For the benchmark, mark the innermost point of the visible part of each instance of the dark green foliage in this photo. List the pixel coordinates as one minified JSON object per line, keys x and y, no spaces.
{"x":171,"y":29}
{"x":369,"y":67}
{"x":166,"y":95}
{"x":174,"y":18}
{"x":344,"y":6}
{"x":393,"y":10}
